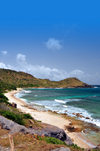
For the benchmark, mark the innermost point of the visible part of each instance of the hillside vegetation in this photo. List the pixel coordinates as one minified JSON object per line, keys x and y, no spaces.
{"x":10,"y":79}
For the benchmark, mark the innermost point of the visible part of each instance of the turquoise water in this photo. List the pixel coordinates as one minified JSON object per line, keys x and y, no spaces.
{"x":85,"y":101}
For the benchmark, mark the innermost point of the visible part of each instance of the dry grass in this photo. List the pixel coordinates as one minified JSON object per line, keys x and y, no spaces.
{"x":25,"y":142}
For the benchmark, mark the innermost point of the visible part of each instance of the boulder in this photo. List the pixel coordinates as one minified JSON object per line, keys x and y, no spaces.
{"x":53,"y":131}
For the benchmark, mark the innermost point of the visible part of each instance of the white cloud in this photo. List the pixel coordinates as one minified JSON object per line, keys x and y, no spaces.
{"x":53,"y":44}
{"x":4,"y":66}
{"x":76,"y":72}
{"x":4,"y":52}
{"x":21,"y":57}
{"x":39,"y":71}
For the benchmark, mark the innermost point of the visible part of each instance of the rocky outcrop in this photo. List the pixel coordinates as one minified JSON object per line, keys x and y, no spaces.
{"x":49,"y":130}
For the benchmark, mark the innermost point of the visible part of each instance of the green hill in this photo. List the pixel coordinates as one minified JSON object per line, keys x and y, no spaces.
{"x":10,"y":79}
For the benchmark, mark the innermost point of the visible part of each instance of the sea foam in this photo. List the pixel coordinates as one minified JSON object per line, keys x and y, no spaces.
{"x":60,"y":101}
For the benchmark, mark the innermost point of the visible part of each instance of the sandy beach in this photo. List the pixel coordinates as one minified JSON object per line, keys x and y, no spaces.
{"x":49,"y":118}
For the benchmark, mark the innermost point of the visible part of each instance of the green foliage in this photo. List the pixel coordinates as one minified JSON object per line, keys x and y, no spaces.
{"x":27,"y":116}
{"x":18,"y":118}
{"x":74,"y":146}
{"x":3,"y":99}
{"x":5,"y":86}
{"x":12,"y":113}
{"x":52,"y":140}
{"x":95,"y":150}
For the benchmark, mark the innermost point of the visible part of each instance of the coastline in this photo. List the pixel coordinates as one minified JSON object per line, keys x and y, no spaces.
{"x":49,"y":117}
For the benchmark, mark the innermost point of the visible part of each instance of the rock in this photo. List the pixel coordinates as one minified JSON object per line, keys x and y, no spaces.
{"x":79,"y":115}
{"x":4,"y":149}
{"x":12,"y":126}
{"x":71,"y":128}
{"x":49,"y":130}
{"x":98,"y":147}
{"x":61,"y":149}
{"x":87,"y":118}
{"x":70,"y":124}
{"x":14,"y":105}
{"x":53,"y":131}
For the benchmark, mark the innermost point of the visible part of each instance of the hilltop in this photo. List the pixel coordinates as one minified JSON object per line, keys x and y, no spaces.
{"x":11,"y":79}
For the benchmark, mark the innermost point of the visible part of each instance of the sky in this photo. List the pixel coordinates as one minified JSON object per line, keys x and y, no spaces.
{"x":52,"y":39}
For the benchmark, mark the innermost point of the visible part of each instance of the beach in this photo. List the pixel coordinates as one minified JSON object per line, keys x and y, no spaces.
{"x":49,"y":118}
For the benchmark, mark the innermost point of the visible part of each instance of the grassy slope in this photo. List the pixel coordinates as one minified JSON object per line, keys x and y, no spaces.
{"x":21,"y":79}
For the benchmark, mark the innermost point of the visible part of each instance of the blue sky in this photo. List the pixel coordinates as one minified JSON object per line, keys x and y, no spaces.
{"x":51,"y":39}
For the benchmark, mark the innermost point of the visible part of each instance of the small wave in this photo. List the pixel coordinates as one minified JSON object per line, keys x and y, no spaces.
{"x":58,"y":88}
{"x":94,"y":96}
{"x":72,"y":100}
{"x":19,"y":95}
{"x":27,"y":91}
{"x":60,"y":101}
{"x":24,"y":100}
{"x":47,"y":107}
{"x":37,"y":104}
{"x":35,"y":95}
{"x":64,"y":105}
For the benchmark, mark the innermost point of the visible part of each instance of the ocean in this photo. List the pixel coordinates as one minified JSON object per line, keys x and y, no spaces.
{"x":85,"y":101}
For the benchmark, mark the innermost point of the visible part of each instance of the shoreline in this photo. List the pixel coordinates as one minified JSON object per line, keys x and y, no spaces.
{"x":51,"y":118}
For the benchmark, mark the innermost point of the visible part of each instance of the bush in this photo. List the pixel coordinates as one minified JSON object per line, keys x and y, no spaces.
{"x":6,"y":86}
{"x":13,"y":116}
{"x":52,"y":140}
{"x":74,"y":146}
{"x":27,"y":116}
{"x":3,"y":99}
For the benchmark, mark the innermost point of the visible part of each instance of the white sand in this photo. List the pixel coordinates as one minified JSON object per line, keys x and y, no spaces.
{"x":48,"y":118}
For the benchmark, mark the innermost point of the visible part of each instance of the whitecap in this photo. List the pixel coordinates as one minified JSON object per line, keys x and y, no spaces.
{"x":60,"y":101}
{"x":19,"y":95}
{"x":27,"y":91}
{"x":64,"y":105}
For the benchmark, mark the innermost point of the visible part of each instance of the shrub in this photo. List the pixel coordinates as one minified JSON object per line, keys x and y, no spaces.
{"x":13,"y":116}
{"x":3,"y":99}
{"x":27,"y":116}
{"x":74,"y":146}
{"x":52,"y":140}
